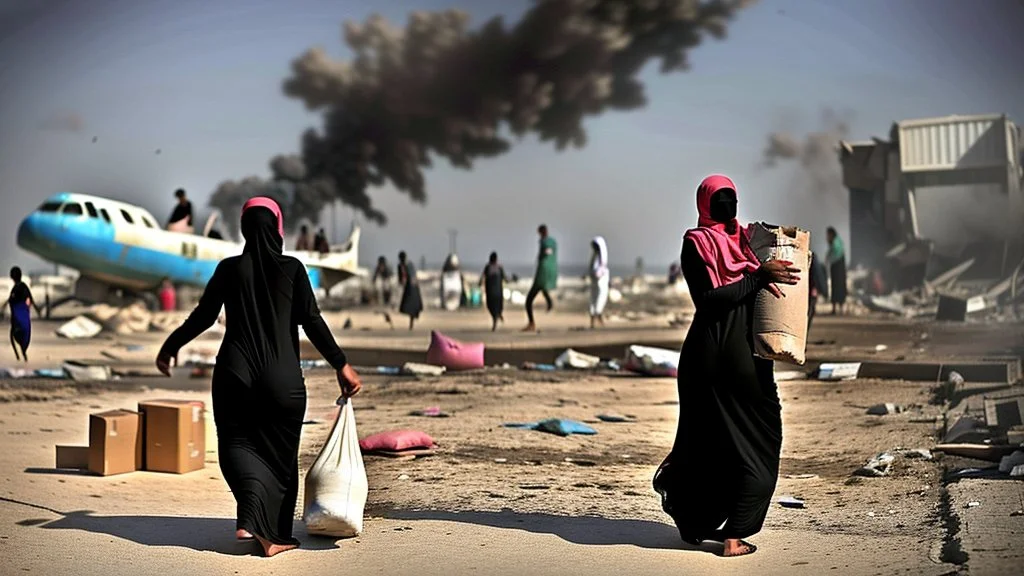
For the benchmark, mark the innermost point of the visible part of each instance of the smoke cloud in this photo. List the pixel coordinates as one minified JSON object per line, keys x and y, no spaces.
{"x":439,"y":89}
{"x":66,"y":122}
{"x":816,"y":153}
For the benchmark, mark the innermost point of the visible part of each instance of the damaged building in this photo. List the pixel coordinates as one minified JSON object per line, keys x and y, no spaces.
{"x":940,"y":200}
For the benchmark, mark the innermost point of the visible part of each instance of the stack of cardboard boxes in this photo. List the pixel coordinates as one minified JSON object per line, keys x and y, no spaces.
{"x":162,"y":436}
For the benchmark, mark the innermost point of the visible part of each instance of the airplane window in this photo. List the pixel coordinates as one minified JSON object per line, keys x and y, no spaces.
{"x":105,"y":214}
{"x":73,"y":209}
{"x":127,"y":217}
{"x":50,"y":207}
{"x":91,"y":210}
{"x":147,"y":222}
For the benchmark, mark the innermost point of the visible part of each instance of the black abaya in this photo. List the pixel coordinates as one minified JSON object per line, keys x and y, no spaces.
{"x":259,"y":395}
{"x":494,"y":289}
{"x":725,"y":461}
{"x":412,"y":301}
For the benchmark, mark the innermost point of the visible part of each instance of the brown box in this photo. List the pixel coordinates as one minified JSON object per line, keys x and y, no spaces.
{"x":175,"y":435}
{"x":72,"y":458}
{"x":115,"y":442}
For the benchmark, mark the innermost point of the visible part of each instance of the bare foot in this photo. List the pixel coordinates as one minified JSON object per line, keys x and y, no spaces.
{"x":242,"y":534}
{"x":271,"y":550}
{"x":530,"y":328}
{"x":737,"y":547}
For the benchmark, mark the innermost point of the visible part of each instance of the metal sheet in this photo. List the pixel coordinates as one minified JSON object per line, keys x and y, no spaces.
{"x":957,"y":142}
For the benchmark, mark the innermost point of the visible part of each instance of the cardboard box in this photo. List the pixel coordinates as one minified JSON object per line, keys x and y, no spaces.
{"x":175,"y":435}
{"x":115,"y":442}
{"x":72,"y":458}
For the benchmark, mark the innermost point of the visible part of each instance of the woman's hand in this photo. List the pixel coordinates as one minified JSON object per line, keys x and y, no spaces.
{"x":349,"y":381}
{"x":163,"y":363}
{"x":779,"y":272}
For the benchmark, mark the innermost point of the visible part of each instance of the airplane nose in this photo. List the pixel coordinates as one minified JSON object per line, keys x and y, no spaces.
{"x":28,"y":233}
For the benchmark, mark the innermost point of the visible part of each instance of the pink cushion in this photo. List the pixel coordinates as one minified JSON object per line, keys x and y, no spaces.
{"x":396,"y":440}
{"x":454,"y":355}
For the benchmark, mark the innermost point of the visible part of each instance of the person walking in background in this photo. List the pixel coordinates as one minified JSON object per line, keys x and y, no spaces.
{"x":259,"y":394}
{"x":600,"y":280}
{"x":168,"y":296}
{"x":303,"y":243}
{"x":21,"y":303}
{"x":493,"y":280}
{"x":382,"y":280}
{"x":836,"y":259}
{"x":546,"y":278}
{"x":730,"y":418}
{"x":818,"y":287}
{"x":412,"y":300}
{"x":320,"y":243}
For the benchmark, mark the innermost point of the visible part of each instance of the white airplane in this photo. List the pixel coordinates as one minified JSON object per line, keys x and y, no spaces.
{"x":118,"y":246}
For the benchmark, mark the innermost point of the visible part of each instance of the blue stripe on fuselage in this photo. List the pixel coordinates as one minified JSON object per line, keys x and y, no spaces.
{"x":87,"y":244}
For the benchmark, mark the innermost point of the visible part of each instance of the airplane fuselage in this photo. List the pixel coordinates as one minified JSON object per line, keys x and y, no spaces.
{"x":122,"y":245}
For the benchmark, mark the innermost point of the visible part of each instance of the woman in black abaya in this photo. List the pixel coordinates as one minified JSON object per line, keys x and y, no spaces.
{"x":259,"y":394}
{"x":718,"y":479}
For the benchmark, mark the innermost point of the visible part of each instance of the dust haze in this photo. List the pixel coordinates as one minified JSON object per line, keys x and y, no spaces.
{"x":440,"y":88}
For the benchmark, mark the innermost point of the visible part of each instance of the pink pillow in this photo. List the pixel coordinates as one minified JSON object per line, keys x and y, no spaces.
{"x":396,"y":441}
{"x":454,"y":355}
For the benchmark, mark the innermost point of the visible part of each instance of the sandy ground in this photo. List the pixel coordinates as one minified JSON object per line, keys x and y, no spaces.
{"x":576,"y":505}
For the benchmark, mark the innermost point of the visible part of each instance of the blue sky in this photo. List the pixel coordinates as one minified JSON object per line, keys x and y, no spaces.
{"x":200,"y":80}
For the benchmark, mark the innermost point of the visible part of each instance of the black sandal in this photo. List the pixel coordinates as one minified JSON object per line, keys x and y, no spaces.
{"x":750,"y":550}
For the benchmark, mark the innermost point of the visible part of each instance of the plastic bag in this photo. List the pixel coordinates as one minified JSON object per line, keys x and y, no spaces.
{"x":336,"y":486}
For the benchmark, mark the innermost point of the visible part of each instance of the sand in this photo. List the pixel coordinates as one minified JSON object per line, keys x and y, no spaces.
{"x":576,"y":505}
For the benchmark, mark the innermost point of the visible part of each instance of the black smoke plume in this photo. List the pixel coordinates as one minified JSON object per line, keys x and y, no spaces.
{"x":440,"y":89}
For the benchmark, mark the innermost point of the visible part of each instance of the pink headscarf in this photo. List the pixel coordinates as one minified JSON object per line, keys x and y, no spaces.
{"x":727,"y":256}
{"x":268,"y":203}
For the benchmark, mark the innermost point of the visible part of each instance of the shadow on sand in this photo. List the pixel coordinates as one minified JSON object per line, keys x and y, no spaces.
{"x":583,"y":530}
{"x":196,"y":533}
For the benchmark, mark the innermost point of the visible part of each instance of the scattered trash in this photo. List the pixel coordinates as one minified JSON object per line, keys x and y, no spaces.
{"x":973,"y":504}
{"x":801,"y":476}
{"x":922,"y":453}
{"x":843,"y":371}
{"x":790,"y":502}
{"x":955,"y":379}
{"x":966,"y":429}
{"x":14,"y":373}
{"x":989,"y":452}
{"x":616,"y":418}
{"x":389,"y":370}
{"x":417,"y":369}
{"x":432,"y":412}
{"x":81,"y":372}
{"x":884,"y":409}
{"x":787,"y":375}
{"x":403,"y":477}
{"x":500,"y":460}
{"x":52,"y":373}
{"x":534,"y":487}
{"x":881,"y":348}
{"x":652,"y":361}
{"x":1017,"y":471}
{"x":1004,"y":412}
{"x":453,"y":354}
{"x":557,"y":426}
{"x":577,"y":360}
{"x":80,"y":328}
{"x":1017,"y":513}
{"x":877,"y":466}
{"x":534,"y":367}
{"x":1008,"y":462}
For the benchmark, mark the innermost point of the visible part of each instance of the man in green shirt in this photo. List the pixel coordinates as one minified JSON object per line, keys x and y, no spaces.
{"x":546,"y":277}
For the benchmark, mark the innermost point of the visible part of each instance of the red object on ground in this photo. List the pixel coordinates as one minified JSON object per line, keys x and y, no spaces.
{"x":396,"y":441}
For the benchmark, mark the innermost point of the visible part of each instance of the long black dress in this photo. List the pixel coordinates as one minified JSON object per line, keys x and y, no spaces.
{"x":494,"y":289}
{"x":412,"y":301}
{"x":725,"y":461}
{"x":259,"y":394}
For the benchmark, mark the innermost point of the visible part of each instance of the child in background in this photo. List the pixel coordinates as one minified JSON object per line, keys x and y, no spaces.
{"x":21,"y":322}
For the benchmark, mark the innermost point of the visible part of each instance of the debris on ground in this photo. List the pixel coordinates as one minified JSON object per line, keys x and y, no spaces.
{"x":651,"y":361}
{"x":884,"y":409}
{"x":838,"y":371}
{"x":557,"y":426}
{"x":1008,"y":463}
{"x":987,"y":452}
{"x":79,"y":328}
{"x":616,"y":418}
{"x":801,"y":476}
{"x":877,"y":466}
{"x":84,"y":372}
{"x":790,"y":502}
{"x":576,"y":360}
{"x":922,"y":453}
{"x":417,"y":369}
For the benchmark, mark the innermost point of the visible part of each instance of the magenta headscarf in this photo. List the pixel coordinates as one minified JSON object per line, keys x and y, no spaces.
{"x":270,"y":204}
{"x":727,"y":256}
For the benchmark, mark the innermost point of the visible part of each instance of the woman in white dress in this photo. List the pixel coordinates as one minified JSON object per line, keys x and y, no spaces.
{"x":600,"y":280}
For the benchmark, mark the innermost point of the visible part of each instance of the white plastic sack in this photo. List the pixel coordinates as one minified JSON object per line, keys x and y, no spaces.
{"x":336,"y":486}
